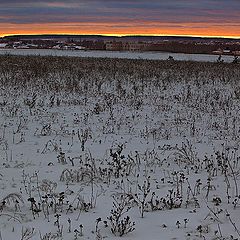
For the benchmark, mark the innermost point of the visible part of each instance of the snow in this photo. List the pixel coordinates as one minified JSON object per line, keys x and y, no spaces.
{"x":177,"y":132}
{"x":3,"y":45}
{"x":111,"y":54}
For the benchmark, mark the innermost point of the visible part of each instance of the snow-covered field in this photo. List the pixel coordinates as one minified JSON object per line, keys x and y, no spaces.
{"x":110,"y":54}
{"x":99,"y":148}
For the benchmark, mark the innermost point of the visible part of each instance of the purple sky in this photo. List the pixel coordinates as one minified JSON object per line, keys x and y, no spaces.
{"x":191,"y":17}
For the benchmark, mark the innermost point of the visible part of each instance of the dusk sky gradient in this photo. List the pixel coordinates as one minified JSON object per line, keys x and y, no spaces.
{"x":123,"y":17}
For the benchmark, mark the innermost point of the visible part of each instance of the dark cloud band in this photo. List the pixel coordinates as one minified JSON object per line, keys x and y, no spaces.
{"x":122,"y":12}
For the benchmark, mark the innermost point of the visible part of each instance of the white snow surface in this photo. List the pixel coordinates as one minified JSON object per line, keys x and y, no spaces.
{"x":179,"y":136}
{"x":116,"y":54}
{"x":3,"y":45}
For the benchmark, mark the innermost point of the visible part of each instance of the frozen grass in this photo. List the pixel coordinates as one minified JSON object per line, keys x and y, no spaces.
{"x":118,"y":149}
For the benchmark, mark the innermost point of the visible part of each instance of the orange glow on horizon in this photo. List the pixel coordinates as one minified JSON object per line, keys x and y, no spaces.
{"x":143,"y":28}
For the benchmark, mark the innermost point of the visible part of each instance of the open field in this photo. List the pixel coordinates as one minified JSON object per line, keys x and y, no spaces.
{"x":100,"y":148}
{"x":115,"y":54}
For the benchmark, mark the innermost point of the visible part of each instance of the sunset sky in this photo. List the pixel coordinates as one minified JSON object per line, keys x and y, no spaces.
{"x":121,"y":17}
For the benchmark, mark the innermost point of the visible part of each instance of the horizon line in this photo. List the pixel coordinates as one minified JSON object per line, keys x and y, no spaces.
{"x":125,"y":35}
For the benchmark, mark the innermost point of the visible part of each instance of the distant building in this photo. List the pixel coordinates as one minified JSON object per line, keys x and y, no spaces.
{"x":126,"y":46}
{"x":236,"y":53}
{"x":226,"y":51}
{"x":56,"y":47}
{"x":114,"y":46}
{"x":222,"y":51}
{"x":219,"y":51}
{"x":136,"y":46}
{"x":68,"y":46}
{"x":80,"y":48}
